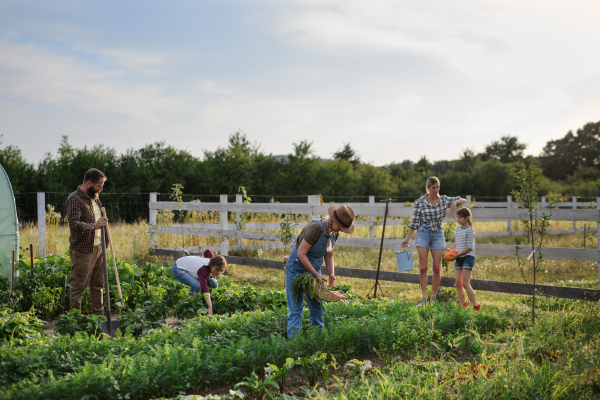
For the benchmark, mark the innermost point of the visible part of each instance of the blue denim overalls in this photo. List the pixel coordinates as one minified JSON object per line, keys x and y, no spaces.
{"x":295,"y":267}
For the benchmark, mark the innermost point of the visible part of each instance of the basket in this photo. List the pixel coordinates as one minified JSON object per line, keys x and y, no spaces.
{"x":322,"y":293}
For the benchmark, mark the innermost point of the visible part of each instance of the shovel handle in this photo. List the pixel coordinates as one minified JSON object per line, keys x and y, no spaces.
{"x":112,"y":254}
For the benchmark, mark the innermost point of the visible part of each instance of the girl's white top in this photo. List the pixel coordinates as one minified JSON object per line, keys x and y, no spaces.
{"x":464,"y":238}
{"x":192,"y":264}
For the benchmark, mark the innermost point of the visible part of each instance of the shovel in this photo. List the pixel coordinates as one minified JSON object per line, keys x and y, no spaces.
{"x":112,"y":254}
{"x":109,"y":327}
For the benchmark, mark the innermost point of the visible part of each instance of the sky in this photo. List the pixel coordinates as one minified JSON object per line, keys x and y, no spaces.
{"x":395,"y":79}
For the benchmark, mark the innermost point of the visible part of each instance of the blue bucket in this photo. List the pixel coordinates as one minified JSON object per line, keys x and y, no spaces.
{"x":405,"y":260}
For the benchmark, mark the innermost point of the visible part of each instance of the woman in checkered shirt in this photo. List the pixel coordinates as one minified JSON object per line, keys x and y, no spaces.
{"x":429,"y":212}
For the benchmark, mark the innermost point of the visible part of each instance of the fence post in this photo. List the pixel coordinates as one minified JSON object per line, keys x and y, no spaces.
{"x":468,"y":203}
{"x":224,"y":223}
{"x":314,"y":200}
{"x":372,"y":220}
{"x":509,"y":205}
{"x":41,"y":211}
{"x":152,"y":218}
{"x":574,"y":208}
{"x":544,"y":205}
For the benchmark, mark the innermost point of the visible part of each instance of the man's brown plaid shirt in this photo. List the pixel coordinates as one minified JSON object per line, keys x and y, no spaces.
{"x":80,"y":212}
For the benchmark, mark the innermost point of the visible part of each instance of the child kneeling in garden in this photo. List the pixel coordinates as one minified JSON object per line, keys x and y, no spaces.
{"x":199,"y":274}
{"x":465,"y":258}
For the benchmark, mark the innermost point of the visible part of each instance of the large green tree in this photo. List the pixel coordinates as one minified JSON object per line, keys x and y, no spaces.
{"x":562,"y":157}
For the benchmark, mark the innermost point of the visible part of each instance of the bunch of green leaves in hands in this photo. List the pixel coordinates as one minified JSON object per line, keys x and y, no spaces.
{"x":303,"y":282}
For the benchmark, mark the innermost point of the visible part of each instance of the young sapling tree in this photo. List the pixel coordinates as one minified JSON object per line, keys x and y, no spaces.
{"x":528,"y":180}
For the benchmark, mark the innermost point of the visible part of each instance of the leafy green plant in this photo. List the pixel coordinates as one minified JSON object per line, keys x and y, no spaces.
{"x":528,"y":180}
{"x":241,"y":225}
{"x":259,"y":387}
{"x":279,"y":375}
{"x":75,"y":321}
{"x":316,"y":367}
{"x":134,"y":322}
{"x":20,"y":328}
{"x":301,"y":283}
{"x":287,"y":224}
{"x":191,"y":307}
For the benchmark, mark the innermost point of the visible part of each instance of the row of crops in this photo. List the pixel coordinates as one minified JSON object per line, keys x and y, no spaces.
{"x":243,"y":344}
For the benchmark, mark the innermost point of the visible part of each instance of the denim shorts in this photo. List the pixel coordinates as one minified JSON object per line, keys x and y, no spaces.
{"x":466,"y":262}
{"x":430,"y":240}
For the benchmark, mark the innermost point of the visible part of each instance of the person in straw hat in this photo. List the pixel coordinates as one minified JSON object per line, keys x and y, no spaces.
{"x":315,"y":244}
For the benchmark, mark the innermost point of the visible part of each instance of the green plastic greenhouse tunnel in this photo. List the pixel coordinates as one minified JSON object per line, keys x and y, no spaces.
{"x":9,"y":226}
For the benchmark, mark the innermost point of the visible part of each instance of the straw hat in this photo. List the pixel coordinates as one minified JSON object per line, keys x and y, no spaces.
{"x":344,"y":217}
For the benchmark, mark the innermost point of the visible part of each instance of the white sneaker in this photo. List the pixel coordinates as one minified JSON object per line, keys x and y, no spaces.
{"x":422,"y":302}
{"x":433,"y":299}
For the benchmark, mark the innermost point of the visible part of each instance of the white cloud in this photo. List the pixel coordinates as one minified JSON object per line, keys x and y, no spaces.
{"x":33,"y":74}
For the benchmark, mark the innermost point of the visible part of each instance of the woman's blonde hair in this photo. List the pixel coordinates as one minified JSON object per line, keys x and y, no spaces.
{"x":430,"y":182}
{"x":465,"y":212}
{"x":219,"y":262}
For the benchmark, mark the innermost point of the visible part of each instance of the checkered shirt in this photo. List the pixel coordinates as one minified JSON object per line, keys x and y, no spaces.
{"x":80,"y":212}
{"x":426,"y":214}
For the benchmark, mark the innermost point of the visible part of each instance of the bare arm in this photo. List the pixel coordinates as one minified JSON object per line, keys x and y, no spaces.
{"x":208,"y":303}
{"x":456,"y":203}
{"x":409,"y":234}
{"x":330,"y":268}
{"x":302,"y":250}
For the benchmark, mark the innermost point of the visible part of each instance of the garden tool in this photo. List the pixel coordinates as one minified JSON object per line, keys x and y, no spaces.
{"x":112,"y":254}
{"x":109,"y":327}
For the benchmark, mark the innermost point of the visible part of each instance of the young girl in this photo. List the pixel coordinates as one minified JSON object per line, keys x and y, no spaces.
{"x":465,"y":257}
{"x":199,"y":274}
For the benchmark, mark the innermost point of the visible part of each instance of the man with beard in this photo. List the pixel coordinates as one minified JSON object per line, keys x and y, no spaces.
{"x":84,"y":212}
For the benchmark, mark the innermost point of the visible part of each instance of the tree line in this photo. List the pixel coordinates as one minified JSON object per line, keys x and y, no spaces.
{"x":570,"y":166}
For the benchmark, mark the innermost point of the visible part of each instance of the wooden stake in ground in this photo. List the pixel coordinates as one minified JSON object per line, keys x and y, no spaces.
{"x":12,"y":271}
{"x":387,"y":204}
{"x":112,"y":254}
{"x":31,"y":256}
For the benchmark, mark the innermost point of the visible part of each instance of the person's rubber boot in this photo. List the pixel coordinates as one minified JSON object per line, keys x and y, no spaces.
{"x":422,"y":302}
{"x":477,"y":307}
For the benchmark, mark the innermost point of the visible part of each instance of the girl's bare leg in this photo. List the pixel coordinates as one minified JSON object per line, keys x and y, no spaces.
{"x":423,"y":253}
{"x":467,"y":285}
{"x":459,"y":286}
{"x":436,"y":257}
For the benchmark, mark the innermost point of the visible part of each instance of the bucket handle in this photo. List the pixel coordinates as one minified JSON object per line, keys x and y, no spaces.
{"x":401,"y":246}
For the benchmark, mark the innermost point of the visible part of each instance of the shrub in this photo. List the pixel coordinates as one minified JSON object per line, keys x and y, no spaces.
{"x":75,"y":321}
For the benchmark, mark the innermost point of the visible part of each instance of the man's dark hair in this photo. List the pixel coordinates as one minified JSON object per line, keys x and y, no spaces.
{"x":93,"y":175}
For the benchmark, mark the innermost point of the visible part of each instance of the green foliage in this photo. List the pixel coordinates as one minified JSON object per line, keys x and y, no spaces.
{"x":279,"y":375}
{"x":75,"y":321}
{"x":135,"y":323}
{"x":191,"y":307}
{"x":20,"y":328}
{"x":302,"y":283}
{"x":316,"y":368}
{"x":528,"y":180}
{"x":286,"y":226}
{"x":568,"y":155}
{"x":258,"y":387}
